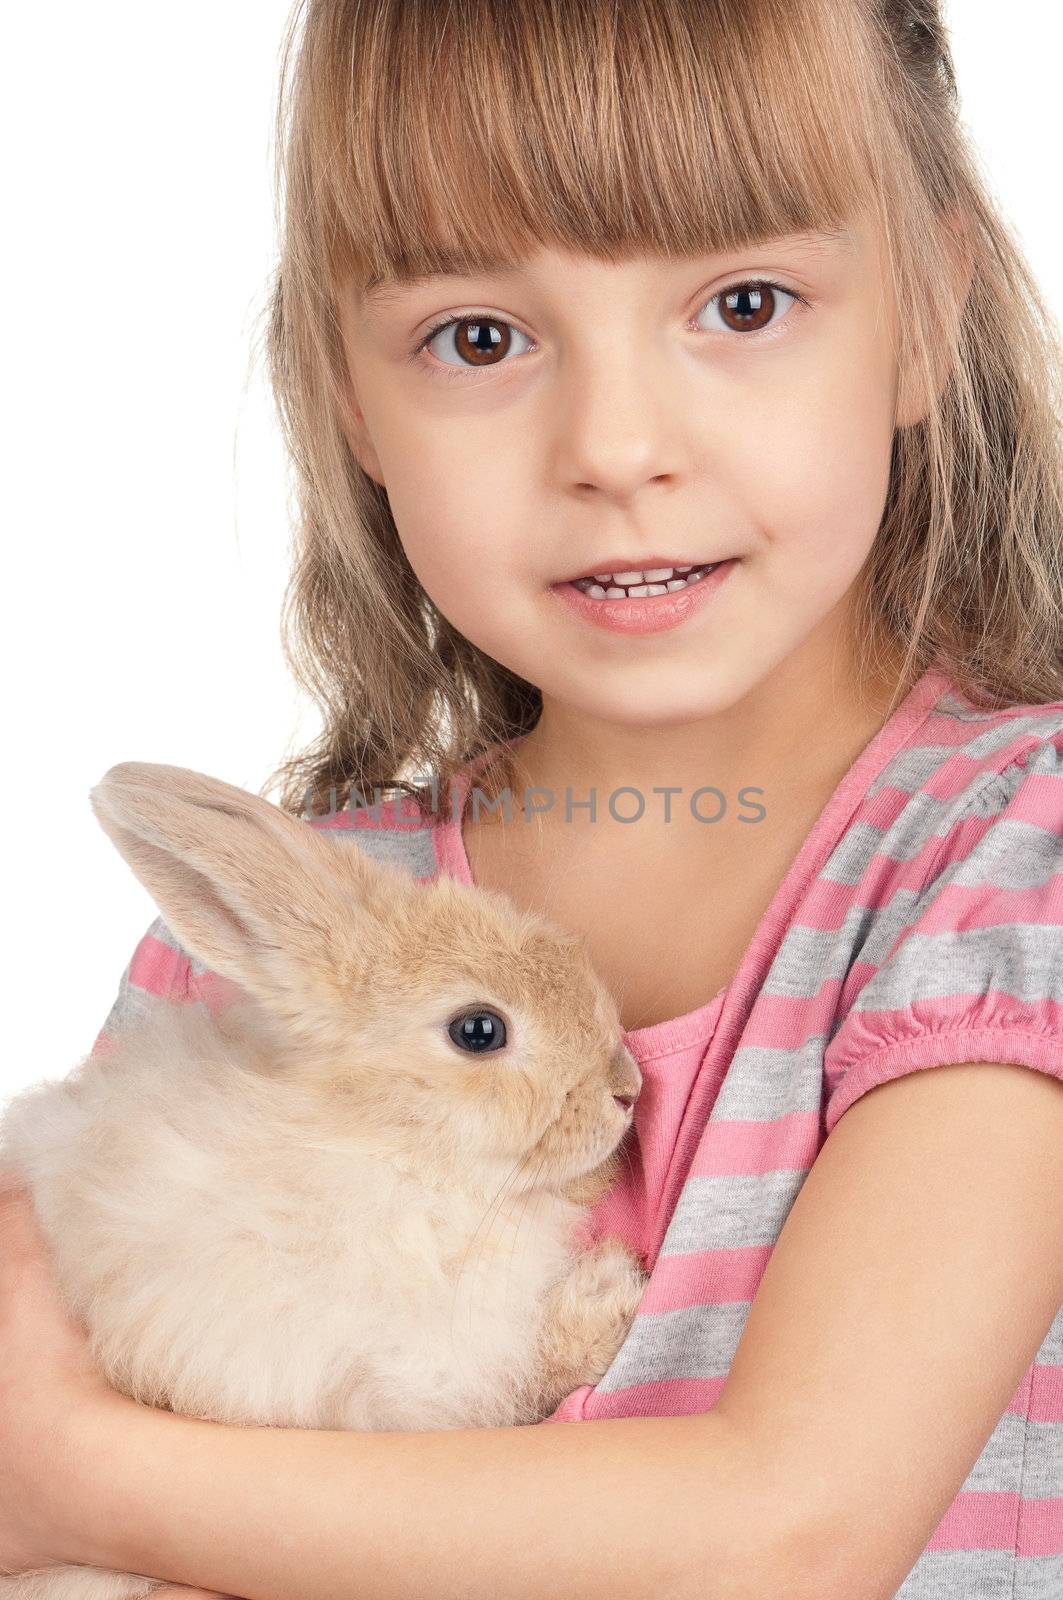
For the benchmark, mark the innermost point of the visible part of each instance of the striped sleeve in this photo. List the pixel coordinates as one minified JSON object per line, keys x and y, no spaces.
{"x":159,"y":972}
{"x":977,"y":972}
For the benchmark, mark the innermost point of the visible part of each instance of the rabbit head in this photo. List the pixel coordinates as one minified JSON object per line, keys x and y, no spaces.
{"x":440,"y":1016}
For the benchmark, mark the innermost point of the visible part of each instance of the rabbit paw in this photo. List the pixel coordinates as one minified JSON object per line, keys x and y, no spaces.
{"x":587,"y":1315}
{"x":81,"y":1583}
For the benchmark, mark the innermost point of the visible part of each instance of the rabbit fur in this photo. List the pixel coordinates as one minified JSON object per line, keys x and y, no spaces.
{"x":311,"y":1207}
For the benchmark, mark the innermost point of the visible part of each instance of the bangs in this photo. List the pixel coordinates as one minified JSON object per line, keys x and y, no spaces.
{"x":464,"y":135}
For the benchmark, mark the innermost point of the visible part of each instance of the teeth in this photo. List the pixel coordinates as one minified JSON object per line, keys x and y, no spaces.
{"x":635,"y":586}
{"x":651,"y":575}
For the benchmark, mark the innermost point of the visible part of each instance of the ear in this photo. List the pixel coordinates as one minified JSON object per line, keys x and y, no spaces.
{"x":357,"y":434}
{"x":261,"y":898}
{"x":352,"y":417}
{"x":957,"y":261}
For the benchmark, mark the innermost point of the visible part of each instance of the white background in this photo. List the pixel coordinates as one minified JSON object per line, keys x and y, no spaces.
{"x":147,"y":521}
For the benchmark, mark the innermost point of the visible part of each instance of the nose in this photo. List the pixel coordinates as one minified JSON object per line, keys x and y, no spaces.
{"x":621,"y":434}
{"x":627,"y":1079}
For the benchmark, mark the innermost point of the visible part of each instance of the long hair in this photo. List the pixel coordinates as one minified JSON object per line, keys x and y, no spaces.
{"x":420,"y":136}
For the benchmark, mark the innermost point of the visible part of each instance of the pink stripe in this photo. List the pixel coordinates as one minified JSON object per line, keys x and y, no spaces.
{"x":1046,"y":1399}
{"x":213,"y":990}
{"x":962,"y":906}
{"x":167,"y":973}
{"x":932,"y":1046}
{"x":670,"y":1397}
{"x":978,"y":1519}
{"x":1035,"y":801}
{"x":397,"y":815}
{"x":1040,"y":1528}
{"x":953,"y":776}
{"x":826,"y":903}
{"x":705,"y":1278}
{"x":451,"y":859}
{"x":881,"y":809}
{"x":995,"y":1520}
{"x":787,"y":1021}
{"x":750,"y":1149}
{"x":159,"y":969}
{"x":343,"y":820}
{"x":993,"y":1008}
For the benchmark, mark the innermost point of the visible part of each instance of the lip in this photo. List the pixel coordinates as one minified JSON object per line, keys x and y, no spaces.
{"x":651,"y":613}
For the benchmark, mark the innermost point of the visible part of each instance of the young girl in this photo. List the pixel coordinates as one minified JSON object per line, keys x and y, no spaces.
{"x":677,"y":451}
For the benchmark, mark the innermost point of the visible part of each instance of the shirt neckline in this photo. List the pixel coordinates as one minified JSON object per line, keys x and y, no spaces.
{"x":673,"y":1033}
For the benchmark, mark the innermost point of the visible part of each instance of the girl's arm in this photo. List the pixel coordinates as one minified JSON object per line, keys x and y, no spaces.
{"x":913,"y":1283}
{"x":926,"y":1232}
{"x":668,"y":1507}
{"x":605,"y":1510}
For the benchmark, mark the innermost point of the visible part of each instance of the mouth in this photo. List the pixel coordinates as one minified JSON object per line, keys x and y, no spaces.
{"x":638,"y":583}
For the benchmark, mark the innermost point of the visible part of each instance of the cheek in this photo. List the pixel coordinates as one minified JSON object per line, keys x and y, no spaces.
{"x":455,"y":515}
{"x":459,"y":521}
{"x":452,"y":499}
{"x":818,"y":480}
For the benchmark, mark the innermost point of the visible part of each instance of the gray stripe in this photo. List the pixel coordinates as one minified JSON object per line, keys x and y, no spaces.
{"x":1019,"y":958}
{"x":910,"y":767}
{"x":966,"y":1575}
{"x":732,"y":1212}
{"x":1051,"y":1351}
{"x":808,"y":956}
{"x":1037,"y":1578}
{"x":405,"y":846}
{"x":1044,"y":1458}
{"x":693,"y":1342}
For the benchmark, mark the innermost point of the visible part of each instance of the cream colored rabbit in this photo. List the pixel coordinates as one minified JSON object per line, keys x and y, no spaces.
{"x":350,"y":1199}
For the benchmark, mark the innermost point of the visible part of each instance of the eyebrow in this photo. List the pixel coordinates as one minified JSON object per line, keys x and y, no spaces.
{"x":381,"y":290}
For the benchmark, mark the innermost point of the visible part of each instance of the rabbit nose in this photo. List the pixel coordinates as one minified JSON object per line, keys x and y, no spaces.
{"x":625,"y":1072}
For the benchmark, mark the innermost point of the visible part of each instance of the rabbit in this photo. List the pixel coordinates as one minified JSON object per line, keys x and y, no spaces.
{"x":352,"y":1197}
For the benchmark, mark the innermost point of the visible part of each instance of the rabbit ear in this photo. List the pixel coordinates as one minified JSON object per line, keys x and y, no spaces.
{"x":250,"y":891}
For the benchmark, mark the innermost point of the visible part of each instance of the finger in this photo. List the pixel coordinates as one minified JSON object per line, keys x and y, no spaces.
{"x":20,"y":1232}
{"x":17,"y":1221}
{"x":171,"y":1593}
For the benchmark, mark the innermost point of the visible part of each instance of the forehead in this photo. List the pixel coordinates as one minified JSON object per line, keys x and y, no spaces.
{"x":462,"y":143}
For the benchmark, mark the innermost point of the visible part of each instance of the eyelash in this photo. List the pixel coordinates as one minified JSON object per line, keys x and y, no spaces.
{"x":448,"y":372}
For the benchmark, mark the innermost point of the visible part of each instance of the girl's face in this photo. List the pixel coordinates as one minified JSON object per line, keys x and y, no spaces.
{"x":581,"y":418}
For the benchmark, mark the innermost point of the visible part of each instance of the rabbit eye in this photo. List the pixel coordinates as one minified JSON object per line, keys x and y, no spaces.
{"x":478,"y":1031}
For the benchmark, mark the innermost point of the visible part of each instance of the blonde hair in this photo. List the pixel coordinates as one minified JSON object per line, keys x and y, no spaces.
{"x":419,"y":136}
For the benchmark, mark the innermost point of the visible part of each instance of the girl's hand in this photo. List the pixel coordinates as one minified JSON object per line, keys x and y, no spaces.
{"x":49,"y":1388}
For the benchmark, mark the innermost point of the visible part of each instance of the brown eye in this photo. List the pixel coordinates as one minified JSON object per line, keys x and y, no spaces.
{"x":477,"y":341}
{"x":748,"y":307}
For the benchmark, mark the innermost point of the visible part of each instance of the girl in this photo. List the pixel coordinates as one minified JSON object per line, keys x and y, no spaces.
{"x":677,"y":450}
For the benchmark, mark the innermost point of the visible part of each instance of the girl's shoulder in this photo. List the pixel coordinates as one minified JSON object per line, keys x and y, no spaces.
{"x":956,"y":939}
{"x":162,"y":971}
{"x":392,"y":830}
{"x":966,"y":764}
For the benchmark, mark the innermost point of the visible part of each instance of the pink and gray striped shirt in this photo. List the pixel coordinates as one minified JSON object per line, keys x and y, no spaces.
{"x":920,"y":924}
